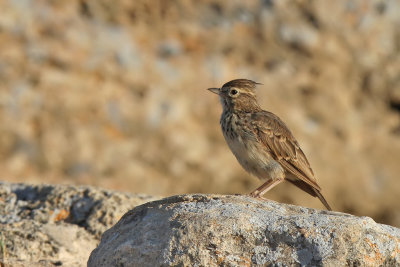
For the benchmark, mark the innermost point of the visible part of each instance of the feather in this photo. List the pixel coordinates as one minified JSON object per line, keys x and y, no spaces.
{"x":277,"y":138}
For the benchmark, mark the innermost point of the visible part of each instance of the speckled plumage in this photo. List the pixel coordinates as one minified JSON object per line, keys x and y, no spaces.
{"x":261,"y":141}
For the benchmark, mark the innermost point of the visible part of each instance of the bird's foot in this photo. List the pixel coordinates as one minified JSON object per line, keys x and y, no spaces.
{"x":257,"y":195}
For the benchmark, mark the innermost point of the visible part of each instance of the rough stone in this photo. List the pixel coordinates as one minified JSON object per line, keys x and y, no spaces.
{"x":214,"y":230}
{"x":55,"y":225}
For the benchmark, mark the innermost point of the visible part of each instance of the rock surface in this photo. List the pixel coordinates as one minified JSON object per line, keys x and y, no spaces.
{"x":49,"y":225}
{"x":213,"y":230}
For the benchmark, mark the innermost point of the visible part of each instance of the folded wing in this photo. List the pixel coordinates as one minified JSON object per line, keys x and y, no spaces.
{"x":278,"y":139}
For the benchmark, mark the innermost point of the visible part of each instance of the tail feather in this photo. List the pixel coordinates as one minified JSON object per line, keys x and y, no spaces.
{"x":311,"y":190}
{"x":322,"y":199}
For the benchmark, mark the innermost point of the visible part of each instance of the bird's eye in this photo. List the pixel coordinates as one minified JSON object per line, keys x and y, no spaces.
{"x":234,"y":92}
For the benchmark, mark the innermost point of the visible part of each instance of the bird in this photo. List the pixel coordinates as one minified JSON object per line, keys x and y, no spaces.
{"x":261,"y":142}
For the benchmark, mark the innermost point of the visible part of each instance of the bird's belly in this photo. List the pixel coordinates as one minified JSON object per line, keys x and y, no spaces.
{"x":255,"y":159}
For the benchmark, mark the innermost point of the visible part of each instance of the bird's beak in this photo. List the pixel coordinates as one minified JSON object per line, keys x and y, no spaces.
{"x":214,"y":90}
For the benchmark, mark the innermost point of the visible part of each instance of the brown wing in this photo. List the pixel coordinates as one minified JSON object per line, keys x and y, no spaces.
{"x":278,"y":139}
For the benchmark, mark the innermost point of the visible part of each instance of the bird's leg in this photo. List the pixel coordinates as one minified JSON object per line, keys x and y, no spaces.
{"x":265,"y":187}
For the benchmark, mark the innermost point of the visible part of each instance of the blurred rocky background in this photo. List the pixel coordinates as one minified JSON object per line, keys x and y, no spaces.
{"x":113,"y":94}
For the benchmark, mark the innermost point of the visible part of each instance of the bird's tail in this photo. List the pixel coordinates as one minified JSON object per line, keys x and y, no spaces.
{"x":322,"y":199}
{"x":311,"y":190}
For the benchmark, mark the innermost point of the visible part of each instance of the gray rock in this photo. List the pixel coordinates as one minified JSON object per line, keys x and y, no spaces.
{"x":55,"y":225}
{"x":211,"y":230}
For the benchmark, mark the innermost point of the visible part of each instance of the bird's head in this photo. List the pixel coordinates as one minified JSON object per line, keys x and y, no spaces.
{"x":239,"y":95}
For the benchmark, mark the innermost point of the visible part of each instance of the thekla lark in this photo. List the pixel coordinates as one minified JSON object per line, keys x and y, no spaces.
{"x":261,"y":141}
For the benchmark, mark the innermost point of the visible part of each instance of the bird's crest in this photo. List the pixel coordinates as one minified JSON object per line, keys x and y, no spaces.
{"x":241,"y":83}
